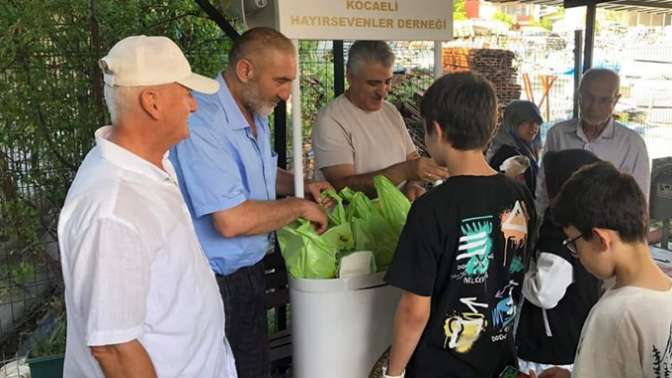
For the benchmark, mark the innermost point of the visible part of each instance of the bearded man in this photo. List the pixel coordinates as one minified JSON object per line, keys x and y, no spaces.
{"x":229,"y":179}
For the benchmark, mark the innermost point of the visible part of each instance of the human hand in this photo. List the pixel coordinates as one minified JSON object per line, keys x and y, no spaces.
{"x":515,"y":166}
{"x":412,"y":191}
{"x":314,"y":213}
{"x":554,"y":372}
{"x":315,"y":188}
{"x":424,"y":169}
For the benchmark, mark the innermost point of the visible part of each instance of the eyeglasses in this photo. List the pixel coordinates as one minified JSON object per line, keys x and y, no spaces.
{"x":571,"y":244}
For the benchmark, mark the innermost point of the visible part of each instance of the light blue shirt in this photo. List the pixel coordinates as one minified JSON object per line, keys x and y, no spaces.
{"x":219,"y":167}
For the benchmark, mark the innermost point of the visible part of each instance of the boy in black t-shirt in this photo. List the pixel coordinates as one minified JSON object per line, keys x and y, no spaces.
{"x":461,"y":255}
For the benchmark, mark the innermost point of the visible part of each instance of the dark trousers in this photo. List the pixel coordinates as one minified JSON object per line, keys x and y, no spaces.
{"x":246,"y":328}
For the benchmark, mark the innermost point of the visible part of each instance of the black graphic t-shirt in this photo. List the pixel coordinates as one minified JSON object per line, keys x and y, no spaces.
{"x":465,"y":244}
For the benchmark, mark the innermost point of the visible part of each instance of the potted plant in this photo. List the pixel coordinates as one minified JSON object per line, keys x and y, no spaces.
{"x":46,"y":356}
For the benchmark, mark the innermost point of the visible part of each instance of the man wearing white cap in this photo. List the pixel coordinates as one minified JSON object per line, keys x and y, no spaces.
{"x":140,"y":297}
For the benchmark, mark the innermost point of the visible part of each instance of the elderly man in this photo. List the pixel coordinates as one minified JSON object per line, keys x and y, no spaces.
{"x":139,"y":294}
{"x":596,"y":130}
{"x":229,"y":177}
{"x":360,"y":135}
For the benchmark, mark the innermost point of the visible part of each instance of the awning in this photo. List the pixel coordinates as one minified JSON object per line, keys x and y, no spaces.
{"x":643,"y":6}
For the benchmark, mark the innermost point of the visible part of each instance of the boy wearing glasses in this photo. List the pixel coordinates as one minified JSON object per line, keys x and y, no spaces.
{"x":629,"y":331}
{"x":461,"y":255}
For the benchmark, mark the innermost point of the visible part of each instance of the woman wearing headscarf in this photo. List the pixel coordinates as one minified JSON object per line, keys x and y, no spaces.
{"x":559,"y":292}
{"x":513,"y":148}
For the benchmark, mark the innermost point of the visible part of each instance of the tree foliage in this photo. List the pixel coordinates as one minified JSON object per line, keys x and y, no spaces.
{"x":51,"y":86}
{"x":459,"y":11}
{"x":51,"y":96}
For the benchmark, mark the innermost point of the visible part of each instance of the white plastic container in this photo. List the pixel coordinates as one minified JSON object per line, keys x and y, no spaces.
{"x":340,"y":327}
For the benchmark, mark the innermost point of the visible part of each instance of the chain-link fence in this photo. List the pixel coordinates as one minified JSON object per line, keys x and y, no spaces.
{"x":51,"y":105}
{"x":414,"y":65}
{"x":545,"y":66}
{"x":642,"y":57}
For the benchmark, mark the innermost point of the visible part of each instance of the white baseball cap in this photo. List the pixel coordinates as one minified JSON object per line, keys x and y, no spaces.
{"x":143,"y":61}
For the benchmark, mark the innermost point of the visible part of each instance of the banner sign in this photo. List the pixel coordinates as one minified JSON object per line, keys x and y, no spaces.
{"x":394,"y":20}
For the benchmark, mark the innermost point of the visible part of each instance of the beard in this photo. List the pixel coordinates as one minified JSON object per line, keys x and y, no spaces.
{"x":592,"y":119}
{"x":255,"y":102}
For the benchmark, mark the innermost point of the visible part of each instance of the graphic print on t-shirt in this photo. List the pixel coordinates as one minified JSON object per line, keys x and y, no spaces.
{"x":505,"y":310}
{"x":475,"y":250}
{"x":516,"y":265}
{"x":514,"y":227}
{"x":662,"y":359}
{"x":462,"y":330}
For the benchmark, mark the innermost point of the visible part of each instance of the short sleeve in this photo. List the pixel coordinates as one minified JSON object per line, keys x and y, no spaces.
{"x":210,"y":174}
{"x":409,"y":146}
{"x":609,"y":348}
{"x":415,"y":263}
{"x":110,"y":282}
{"x":641,"y":166}
{"x":331,"y":144}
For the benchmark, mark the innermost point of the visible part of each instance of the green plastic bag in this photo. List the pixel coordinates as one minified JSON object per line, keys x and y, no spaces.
{"x":376,"y":225}
{"x":393,"y":204}
{"x":338,"y":214}
{"x":341,"y":237}
{"x":375,"y":235}
{"x":393,"y":207}
{"x":306,"y":254}
{"x":359,"y":205}
{"x":364,"y":225}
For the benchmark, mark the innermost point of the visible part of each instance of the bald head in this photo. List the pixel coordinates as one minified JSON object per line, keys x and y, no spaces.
{"x":256,"y":43}
{"x":598,"y":95}
{"x":602,"y":76}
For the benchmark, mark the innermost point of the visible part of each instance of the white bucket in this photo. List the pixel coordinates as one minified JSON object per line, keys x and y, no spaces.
{"x":340,"y":327}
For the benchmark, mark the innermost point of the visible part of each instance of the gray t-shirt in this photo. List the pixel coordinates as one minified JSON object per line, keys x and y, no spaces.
{"x":370,"y":141}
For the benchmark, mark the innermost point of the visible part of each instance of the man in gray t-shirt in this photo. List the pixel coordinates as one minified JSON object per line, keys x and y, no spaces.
{"x":359,"y":135}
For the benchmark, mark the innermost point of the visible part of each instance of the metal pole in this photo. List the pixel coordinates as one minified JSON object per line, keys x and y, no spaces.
{"x":578,"y":47}
{"x":280,"y":112}
{"x":339,"y":68}
{"x":214,"y":14}
{"x":280,"y":133}
{"x":297,"y":135}
{"x":665,"y":240}
{"x":438,"y":59}
{"x":591,"y":11}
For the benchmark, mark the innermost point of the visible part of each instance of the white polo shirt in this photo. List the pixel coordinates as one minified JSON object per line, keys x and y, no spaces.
{"x":134,"y":269}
